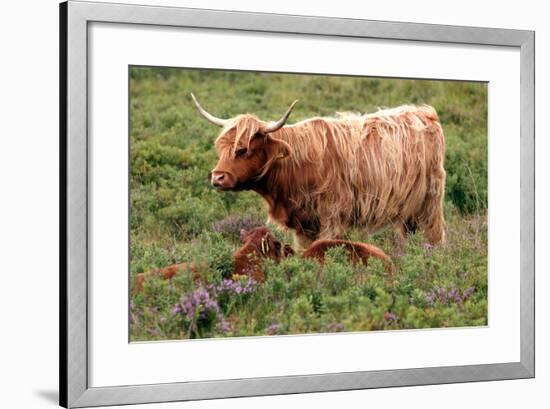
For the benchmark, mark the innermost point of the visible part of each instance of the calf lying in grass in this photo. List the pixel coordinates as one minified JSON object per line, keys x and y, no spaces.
{"x":260,"y":243}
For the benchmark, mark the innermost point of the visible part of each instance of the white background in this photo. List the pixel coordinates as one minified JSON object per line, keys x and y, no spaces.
{"x":29,"y":222}
{"x":116,"y":46}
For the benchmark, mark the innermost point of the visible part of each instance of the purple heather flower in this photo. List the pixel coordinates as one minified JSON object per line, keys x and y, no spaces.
{"x":234,"y":224}
{"x":237,"y":287}
{"x":204,"y":302}
{"x":223,"y":326}
{"x":390,"y":317}
{"x":335,"y":327}
{"x":273,"y":329}
{"x":430,"y":298}
{"x":468,"y":292}
{"x":429,"y":249}
{"x":198,"y":302}
{"x":451,"y":295}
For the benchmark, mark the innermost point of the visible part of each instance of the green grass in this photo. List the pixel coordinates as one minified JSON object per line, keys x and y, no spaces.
{"x":177,"y":216}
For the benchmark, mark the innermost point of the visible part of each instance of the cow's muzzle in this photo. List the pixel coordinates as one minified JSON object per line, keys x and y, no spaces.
{"x":222,"y":180}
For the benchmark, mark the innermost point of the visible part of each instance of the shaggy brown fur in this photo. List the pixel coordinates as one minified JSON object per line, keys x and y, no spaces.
{"x":323,"y":175}
{"x":358,"y":252}
{"x":258,"y":244}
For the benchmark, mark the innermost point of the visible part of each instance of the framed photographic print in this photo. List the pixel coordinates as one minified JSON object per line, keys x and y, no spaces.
{"x":257,"y":204}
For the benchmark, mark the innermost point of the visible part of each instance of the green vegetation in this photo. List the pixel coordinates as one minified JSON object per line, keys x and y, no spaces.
{"x":177,"y":216}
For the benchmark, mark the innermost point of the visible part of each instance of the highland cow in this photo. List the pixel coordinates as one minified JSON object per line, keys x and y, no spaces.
{"x":325,"y":174}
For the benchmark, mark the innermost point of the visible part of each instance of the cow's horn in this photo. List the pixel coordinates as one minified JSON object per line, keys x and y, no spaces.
{"x":211,"y":118}
{"x":275,"y":126}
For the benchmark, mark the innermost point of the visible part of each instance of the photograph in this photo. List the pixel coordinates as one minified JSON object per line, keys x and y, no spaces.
{"x":265,"y":203}
{"x":275,"y":204}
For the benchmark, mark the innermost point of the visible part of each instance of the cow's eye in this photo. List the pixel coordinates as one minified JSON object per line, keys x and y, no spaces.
{"x":240,"y":152}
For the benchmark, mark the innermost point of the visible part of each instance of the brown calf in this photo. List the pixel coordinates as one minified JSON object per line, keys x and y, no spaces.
{"x":260,"y":244}
{"x":358,"y":252}
{"x":167,"y":273}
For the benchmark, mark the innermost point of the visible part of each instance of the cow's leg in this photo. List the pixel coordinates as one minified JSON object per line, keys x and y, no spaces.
{"x":301,"y":242}
{"x":404,"y":228}
{"x":431,"y":220}
{"x":400,"y":239}
{"x":400,"y":231}
{"x":303,"y":239}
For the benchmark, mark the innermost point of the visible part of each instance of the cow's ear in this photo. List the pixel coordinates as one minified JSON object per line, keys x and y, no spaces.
{"x":277,"y":148}
{"x":243,"y":234}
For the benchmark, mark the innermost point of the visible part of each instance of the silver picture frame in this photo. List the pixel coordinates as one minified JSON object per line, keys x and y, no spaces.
{"x":75,"y":16}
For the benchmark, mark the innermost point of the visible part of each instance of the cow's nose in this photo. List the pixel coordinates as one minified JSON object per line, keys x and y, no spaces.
{"x":218,"y":178}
